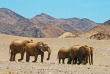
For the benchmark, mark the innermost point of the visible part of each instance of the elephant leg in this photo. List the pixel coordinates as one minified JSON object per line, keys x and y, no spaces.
{"x":69,"y":61}
{"x":63,"y":61}
{"x":13,"y":54}
{"x":22,"y":56}
{"x":35,"y":58}
{"x":27,"y":58}
{"x":75,"y":60}
{"x":80,"y":59}
{"x":79,"y":62}
{"x":59,"y":60}
{"x":87,"y":60}
{"x":42,"y":56}
{"x":84,"y":60}
{"x":11,"y":57}
{"x":92,"y":59}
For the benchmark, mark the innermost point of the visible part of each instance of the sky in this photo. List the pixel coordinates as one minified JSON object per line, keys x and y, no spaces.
{"x":95,"y":10}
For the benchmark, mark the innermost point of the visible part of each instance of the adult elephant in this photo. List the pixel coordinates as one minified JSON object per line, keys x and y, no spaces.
{"x":83,"y":54}
{"x":73,"y":54}
{"x":91,"y":54}
{"x":17,"y":46}
{"x":35,"y":49}
{"x":63,"y":53}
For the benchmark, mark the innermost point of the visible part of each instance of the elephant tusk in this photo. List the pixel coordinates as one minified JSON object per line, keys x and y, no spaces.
{"x":42,"y":50}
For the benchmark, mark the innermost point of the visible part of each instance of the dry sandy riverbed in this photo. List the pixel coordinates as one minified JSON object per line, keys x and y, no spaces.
{"x":101,"y":57}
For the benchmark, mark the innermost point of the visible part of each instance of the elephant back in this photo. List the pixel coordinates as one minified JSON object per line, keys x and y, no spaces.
{"x":64,"y":50}
{"x":63,"y":53}
{"x":84,"y":50}
{"x":16,"y":43}
{"x":75,"y":48}
{"x":73,"y":51}
{"x":19,"y":44}
{"x":25,"y":42}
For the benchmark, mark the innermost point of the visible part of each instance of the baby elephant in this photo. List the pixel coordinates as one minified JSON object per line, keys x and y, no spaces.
{"x":62,"y":54}
{"x":70,"y":53}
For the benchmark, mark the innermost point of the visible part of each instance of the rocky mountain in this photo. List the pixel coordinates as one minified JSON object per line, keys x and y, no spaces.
{"x":15,"y":24}
{"x":41,"y":25}
{"x":70,"y":24}
{"x":10,"y":17}
{"x":100,"y":32}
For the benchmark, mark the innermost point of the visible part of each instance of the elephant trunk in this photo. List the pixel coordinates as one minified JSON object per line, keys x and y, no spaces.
{"x":49,"y":53}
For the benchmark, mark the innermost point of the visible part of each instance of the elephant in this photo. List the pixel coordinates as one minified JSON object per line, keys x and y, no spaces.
{"x":62,"y":54}
{"x":73,"y":54}
{"x":35,"y":49}
{"x":91,"y":54}
{"x":83,"y":55}
{"x":17,"y":46}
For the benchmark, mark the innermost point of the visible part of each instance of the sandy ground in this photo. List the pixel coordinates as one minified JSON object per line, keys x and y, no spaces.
{"x":101,"y":57}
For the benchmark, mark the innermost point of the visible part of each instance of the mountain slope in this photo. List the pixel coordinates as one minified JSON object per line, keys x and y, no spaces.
{"x":52,"y":31}
{"x":76,"y":24}
{"x":41,"y":25}
{"x":14,"y":24}
{"x":100,"y":32}
{"x":9,"y":17}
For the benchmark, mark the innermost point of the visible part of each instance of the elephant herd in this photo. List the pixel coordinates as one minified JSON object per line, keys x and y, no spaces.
{"x":31,"y":49}
{"x":75,"y":54}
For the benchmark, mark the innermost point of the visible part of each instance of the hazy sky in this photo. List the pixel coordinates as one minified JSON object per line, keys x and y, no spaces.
{"x":95,"y":10}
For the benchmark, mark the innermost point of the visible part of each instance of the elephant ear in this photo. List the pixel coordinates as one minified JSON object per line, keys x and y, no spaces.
{"x":45,"y":47}
{"x":40,"y":46}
